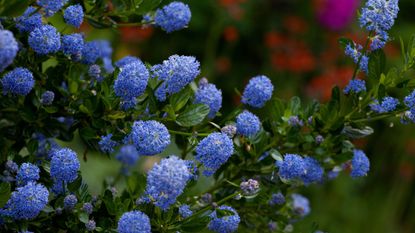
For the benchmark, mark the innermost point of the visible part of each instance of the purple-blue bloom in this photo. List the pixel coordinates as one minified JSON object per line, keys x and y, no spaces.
{"x":360,"y":164}
{"x":87,"y":208}
{"x":73,"y":44}
{"x":185,"y":211}
{"x":354,"y":52}
{"x":29,"y":20}
{"x":300,"y":205}
{"x":128,"y":155}
{"x":225,"y":224}
{"x":47,"y":97}
{"x":45,"y":40}
{"x":277,"y":199}
{"x":258,"y":91}
{"x":167,"y":180}
{"x":106,"y":144}
{"x":19,"y":81}
{"x":173,"y":16}
{"x":355,"y":86}
{"x":292,"y":167}
{"x":388,"y":104}
{"x":313,"y":171}
{"x":213,"y":151}
{"x":134,"y":222}
{"x":126,"y":60}
{"x":51,"y":6}
{"x":176,"y":73}
{"x":8,"y":49}
{"x":90,"y":225}
{"x":131,"y":81}
{"x":211,"y":96}
{"x":74,"y":15}
{"x":27,"y":173}
{"x":70,"y":201}
{"x":64,"y":165}
{"x":247,"y":124}
{"x":150,"y":137}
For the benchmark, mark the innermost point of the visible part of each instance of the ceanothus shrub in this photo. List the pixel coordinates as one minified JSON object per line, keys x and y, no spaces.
{"x":57,"y":85}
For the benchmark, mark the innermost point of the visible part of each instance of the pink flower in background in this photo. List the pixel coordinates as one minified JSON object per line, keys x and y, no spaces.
{"x":335,"y":14}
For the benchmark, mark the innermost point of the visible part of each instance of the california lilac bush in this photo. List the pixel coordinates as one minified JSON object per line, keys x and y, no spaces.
{"x":57,"y":86}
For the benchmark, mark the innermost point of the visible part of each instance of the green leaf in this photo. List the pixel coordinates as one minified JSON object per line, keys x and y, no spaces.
{"x":116,"y":115}
{"x":193,"y":115}
{"x":295,"y":105}
{"x":357,"y":133}
{"x":196,"y":225}
{"x":74,"y":186}
{"x":345,"y":41}
{"x":4,"y":193}
{"x":179,"y":100}
{"x":377,"y":62}
{"x":83,"y":217}
{"x":13,"y":7}
{"x":88,"y":133}
{"x":147,"y":5}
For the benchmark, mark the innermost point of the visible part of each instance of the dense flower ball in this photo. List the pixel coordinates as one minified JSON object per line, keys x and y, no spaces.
{"x":185,"y":211}
{"x":150,"y":137}
{"x":360,"y":164}
{"x":51,"y":6}
{"x":134,"y":222}
{"x":70,"y":201}
{"x":292,"y":167}
{"x":300,"y":204}
{"x":225,"y":224}
{"x":313,"y":171}
{"x":388,"y":104}
{"x":29,"y":20}
{"x":249,"y":187}
{"x":173,"y":16}
{"x":409,"y":100}
{"x":247,"y":124}
{"x":64,"y":165}
{"x":131,"y":81}
{"x":93,"y":50}
{"x":167,"y":180}
{"x":27,"y":172}
{"x":18,"y":82}
{"x":126,"y":60}
{"x":8,"y":49}
{"x":94,"y":71}
{"x":45,"y":39}
{"x":90,"y":225}
{"x":128,"y":104}
{"x":47,"y":97}
{"x":73,"y":44}
{"x":277,"y":199}
{"x":176,"y":72}
{"x":128,"y":155}
{"x":88,"y":208}
{"x":74,"y":15}
{"x":106,"y":144}
{"x":27,"y":201}
{"x":258,"y":91}
{"x":355,"y":86}
{"x":213,"y":151}
{"x":208,"y":94}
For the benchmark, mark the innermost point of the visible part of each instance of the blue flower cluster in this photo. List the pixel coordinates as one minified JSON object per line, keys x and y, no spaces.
{"x":87,"y":208}
{"x":74,"y":15}
{"x":167,"y":180}
{"x":277,"y":199}
{"x":229,"y":130}
{"x":295,"y":121}
{"x":176,"y":73}
{"x":45,"y":39}
{"x":97,"y":49}
{"x":296,"y":167}
{"x":131,"y":81}
{"x":213,"y":151}
{"x":300,"y":204}
{"x":388,"y":104}
{"x":249,"y":187}
{"x":128,"y":155}
{"x":208,"y":94}
{"x":360,"y":164}
{"x":8,"y":49}
{"x":409,"y":101}
{"x":64,"y":165}
{"x":29,"y":20}
{"x":126,"y":60}
{"x":27,"y":201}
{"x":90,"y":225}
{"x":173,"y":16}
{"x":47,"y":97}
{"x":258,"y":91}
{"x":185,"y":211}
{"x":225,"y":224}
{"x":354,"y":53}
{"x":247,"y":124}
{"x":27,"y":173}
{"x":150,"y":137}
{"x":134,"y":222}
{"x":355,"y":86}
{"x":70,"y":201}
{"x":18,"y":82}
{"x":379,"y":16}
{"x":106,"y":144}
{"x":72,"y":45}
{"x":51,"y":6}
{"x":94,"y":71}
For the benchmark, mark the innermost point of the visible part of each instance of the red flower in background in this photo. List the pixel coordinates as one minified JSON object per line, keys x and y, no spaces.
{"x":230,"y":33}
{"x":136,"y":34}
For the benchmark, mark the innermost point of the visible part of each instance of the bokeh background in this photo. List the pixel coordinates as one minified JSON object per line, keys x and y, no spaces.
{"x":294,"y":42}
